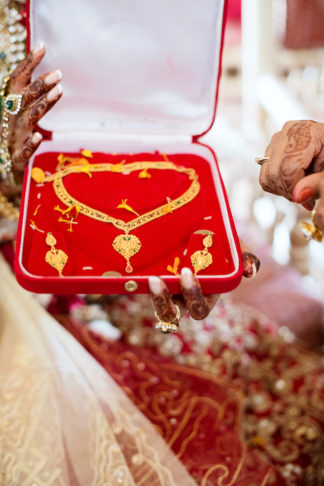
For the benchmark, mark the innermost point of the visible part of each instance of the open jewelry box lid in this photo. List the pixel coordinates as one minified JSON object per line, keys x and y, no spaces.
{"x":139,"y":76}
{"x":139,"y":66}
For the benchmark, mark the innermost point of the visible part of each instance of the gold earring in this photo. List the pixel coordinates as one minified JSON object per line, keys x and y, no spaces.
{"x":201,"y":259}
{"x":56,"y":258}
{"x":171,"y":326}
{"x":311,"y":231}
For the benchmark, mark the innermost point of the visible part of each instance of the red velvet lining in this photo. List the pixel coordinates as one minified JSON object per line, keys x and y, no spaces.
{"x":90,"y":243}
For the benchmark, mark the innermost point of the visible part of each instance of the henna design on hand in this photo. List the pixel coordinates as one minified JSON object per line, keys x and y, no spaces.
{"x":294,"y":162}
{"x":251,"y":264}
{"x":20,"y":157}
{"x":291,"y":172}
{"x":37,"y":111}
{"x":164,"y":306}
{"x":299,"y":136}
{"x":35,"y":104}
{"x":24,"y":70}
{"x":195,"y":302}
{"x":33,"y":92}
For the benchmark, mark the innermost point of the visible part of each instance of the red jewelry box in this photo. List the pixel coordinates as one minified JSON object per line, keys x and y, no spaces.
{"x":139,"y":80}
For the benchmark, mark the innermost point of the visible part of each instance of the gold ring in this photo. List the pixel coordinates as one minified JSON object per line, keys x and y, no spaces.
{"x":261,"y":160}
{"x":171,"y":326}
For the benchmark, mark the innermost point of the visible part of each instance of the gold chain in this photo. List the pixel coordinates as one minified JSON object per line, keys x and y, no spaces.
{"x":173,"y":205}
{"x":125,"y":244}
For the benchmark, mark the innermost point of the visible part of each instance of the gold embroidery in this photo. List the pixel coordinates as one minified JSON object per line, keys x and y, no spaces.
{"x":290,"y":383}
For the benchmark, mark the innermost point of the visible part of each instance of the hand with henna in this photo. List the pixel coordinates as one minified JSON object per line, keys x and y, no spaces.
{"x":295,"y":151}
{"x":38,"y":97}
{"x":191,"y":297}
{"x":296,"y":159}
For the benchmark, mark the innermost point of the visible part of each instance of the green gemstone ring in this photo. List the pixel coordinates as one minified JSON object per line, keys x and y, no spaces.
{"x":12,"y":103}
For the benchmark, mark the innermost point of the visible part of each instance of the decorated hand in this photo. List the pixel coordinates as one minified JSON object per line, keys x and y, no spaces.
{"x":38,"y":97}
{"x":295,"y":151}
{"x":296,"y":159}
{"x":192,"y":298}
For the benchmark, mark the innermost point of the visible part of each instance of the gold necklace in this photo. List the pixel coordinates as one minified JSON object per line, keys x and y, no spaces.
{"x":125,"y":244}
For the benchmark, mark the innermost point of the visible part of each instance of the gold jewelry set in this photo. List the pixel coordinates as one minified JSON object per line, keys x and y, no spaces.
{"x":126,"y":244}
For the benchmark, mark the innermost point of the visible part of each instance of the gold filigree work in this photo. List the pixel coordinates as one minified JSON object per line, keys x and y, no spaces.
{"x":126,"y":245}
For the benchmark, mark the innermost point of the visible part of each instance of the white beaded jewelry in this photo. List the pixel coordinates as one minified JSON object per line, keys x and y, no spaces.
{"x":11,"y":106}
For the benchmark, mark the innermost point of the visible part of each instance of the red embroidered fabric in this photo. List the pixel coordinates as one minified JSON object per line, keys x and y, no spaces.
{"x":242,"y":353}
{"x":198,"y":414}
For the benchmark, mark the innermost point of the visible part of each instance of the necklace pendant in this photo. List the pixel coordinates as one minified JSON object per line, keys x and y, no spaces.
{"x":127,"y":246}
{"x":129,"y":268}
{"x":54,"y":257}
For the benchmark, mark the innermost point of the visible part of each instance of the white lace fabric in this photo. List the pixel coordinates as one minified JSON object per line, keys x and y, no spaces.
{"x":63,"y":420}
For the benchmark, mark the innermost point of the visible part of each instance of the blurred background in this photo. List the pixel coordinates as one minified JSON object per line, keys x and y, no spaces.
{"x":273,"y":71}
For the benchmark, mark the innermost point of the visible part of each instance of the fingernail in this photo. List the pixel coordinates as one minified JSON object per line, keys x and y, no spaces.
{"x":53,"y":77}
{"x":36,"y":138}
{"x":55,"y":92}
{"x":251,"y":265}
{"x":309,"y":207}
{"x":303,"y":195}
{"x":187,"y":278}
{"x":155,"y":285}
{"x":40,"y":46}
